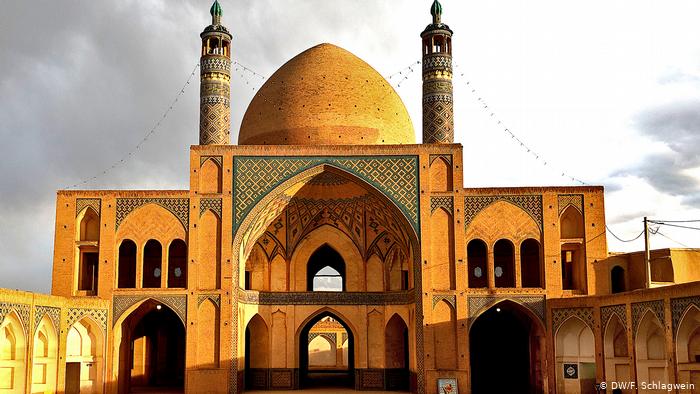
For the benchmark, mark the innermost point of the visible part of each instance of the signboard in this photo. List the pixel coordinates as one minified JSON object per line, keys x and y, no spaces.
{"x":447,"y":386}
{"x":570,"y":371}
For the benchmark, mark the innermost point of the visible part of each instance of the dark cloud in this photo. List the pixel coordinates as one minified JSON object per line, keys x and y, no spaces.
{"x":83,"y":81}
{"x":677,"y":125}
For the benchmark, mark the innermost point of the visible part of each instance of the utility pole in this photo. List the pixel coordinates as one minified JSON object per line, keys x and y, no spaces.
{"x":647,"y":254}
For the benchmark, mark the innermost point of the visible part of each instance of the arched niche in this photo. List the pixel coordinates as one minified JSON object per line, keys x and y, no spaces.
{"x":444,"y":327}
{"x":210,"y":177}
{"x":571,"y":224}
{"x":45,"y":357}
{"x":440,"y":175}
{"x":688,"y":346}
{"x":84,"y":357}
{"x":442,"y":273}
{"x":504,"y":263}
{"x":650,"y":349}
{"x":339,"y":242}
{"x":208,"y":334}
{"x":617,"y":366}
{"x":13,"y":348}
{"x":152,"y":264}
{"x":531,"y":270}
{"x":477,"y":264}
{"x":126,"y":265}
{"x":396,"y":353}
{"x":177,"y":264}
{"x":88,"y":228}
{"x":209,"y":248}
{"x":574,"y":347}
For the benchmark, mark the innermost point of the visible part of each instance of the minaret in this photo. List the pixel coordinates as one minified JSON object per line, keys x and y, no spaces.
{"x":438,"y":113}
{"x":215,"y":89}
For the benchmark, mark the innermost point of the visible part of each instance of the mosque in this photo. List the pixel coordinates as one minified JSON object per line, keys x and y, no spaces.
{"x":328,"y":247}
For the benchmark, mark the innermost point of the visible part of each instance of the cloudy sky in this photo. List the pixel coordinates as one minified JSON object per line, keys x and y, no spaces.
{"x":607,"y":91}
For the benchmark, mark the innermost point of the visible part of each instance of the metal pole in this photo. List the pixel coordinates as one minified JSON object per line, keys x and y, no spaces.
{"x":647,"y":254}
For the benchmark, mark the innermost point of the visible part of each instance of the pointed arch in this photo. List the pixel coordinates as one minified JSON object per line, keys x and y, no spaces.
{"x":440,"y":175}
{"x":208,"y":333}
{"x":688,"y":344}
{"x":650,"y":349}
{"x":574,"y":344}
{"x":571,"y":223}
{"x":85,"y":356}
{"x":45,"y":356}
{"x":504,"y":263}
{"x":341,"y":244}
{"x":210,"y":176}
{"x":13,"y":351}
{"x":209,"y":248}
{"x":88,"y":228}
{"x":507,"y":327}
{"x":396,"y":353}
{"x":616,"y":351}
{"x":442,"y":273}
{"x":177,"y":264}
{"x":444,"y":325}
{"x":126,"y":272}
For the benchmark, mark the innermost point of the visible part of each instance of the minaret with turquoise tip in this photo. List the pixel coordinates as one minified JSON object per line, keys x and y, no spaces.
{"x":215,"y":89}
{"x":438,"y":111}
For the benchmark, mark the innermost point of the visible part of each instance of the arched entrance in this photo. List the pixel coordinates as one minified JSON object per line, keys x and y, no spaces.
{"x":506,"y":351}
{"x":324,"y":359}
{"x":152,"y":350}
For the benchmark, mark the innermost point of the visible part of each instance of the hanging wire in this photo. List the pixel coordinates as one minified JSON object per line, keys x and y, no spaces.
{"x":145,"y":138}
{"x":623,"y":240}
{"x":671,"y":239}
{"x":674,"y":225}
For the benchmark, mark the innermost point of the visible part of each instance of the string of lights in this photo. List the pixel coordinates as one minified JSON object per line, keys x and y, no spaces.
{"x":145,"y":138}
{"x":248,"y":69}
{"x":501,"y":124}
{"x":404,"y":73}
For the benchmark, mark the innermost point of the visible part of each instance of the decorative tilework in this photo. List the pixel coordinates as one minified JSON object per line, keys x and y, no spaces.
{"x":22,"y":311}
{"x":325,"y":298}
{"x":82,"y":203}
{"x":638,"y":309}
{"x":449,"y":298}
{"x":678,"y":308}
{"x":564,"y":200}
{"x":99,"y":315}
{"x":54,"y":314}
{"x":180,"y":207}
{"x":446,"y":157}
{"x":329,"y":337}
{"x":606,"y":313}
{"x":395,"y":176}
{"x":560,"y":315}
{"x":215,"y":298}
{"x":217,"y":159}
{"x":532,"y":204}
{"x":176,"y":302}
{"x":478,"y":304}
{"x":445,"y":202}
{"x":213,"y":204}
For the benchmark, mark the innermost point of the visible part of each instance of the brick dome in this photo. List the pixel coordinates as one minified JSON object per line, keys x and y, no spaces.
{"x":326,"y":96}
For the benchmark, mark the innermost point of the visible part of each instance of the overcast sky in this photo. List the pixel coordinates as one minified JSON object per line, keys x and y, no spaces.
{"x":607,"y":91}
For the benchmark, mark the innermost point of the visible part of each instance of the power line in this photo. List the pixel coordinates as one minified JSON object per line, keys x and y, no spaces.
{"x":623,"y":240}
{"x":675,"y":221}
{"x":145,"y":138}
{"x":671,"y":239}
{"x":676,"y":225}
